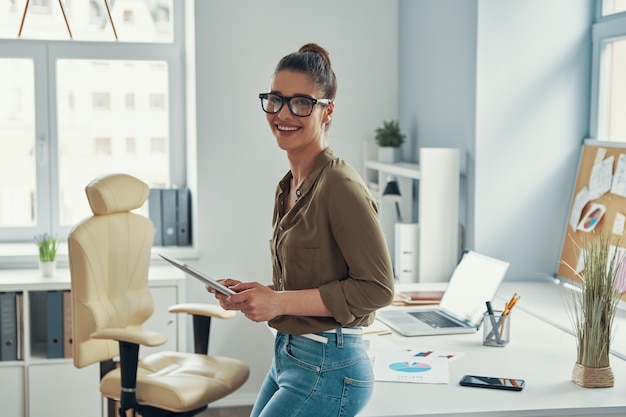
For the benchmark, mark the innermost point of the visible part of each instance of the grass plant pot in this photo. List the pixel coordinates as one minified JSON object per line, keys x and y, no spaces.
{"x":593,"y":309}
{"x":593,"y":377}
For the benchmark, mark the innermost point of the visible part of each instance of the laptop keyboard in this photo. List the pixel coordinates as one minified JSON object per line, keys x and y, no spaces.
{"x":434,"y":319}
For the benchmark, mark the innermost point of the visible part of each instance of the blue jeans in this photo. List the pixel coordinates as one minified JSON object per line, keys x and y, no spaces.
{"x":309,"y":378}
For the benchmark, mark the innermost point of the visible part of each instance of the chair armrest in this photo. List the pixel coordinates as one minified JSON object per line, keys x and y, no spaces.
{"x":137,"y":336}
{"x":200,"y":309}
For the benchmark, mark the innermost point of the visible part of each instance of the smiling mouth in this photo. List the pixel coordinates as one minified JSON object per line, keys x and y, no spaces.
{"x":287,"y":128}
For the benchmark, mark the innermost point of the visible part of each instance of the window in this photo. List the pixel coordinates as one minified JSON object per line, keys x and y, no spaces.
{"x":610,"y":7}
{"x":101,"y":101}
{"x":131,"y":146}
{"x":102,"y":147}
{"x":608,"y":109}
{"x":130,"y":101}
{"x":74,"y":109}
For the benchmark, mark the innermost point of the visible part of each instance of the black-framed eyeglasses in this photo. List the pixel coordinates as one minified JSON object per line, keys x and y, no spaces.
{"x":300,"y":106}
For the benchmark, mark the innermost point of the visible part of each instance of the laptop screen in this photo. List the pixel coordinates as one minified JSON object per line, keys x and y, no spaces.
{"x":475,"y":280}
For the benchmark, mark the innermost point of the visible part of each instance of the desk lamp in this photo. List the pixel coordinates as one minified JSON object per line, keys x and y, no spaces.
{"x":392,"y":193}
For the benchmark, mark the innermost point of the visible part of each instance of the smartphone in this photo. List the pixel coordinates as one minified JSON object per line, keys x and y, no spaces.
{"x":508,"y":384}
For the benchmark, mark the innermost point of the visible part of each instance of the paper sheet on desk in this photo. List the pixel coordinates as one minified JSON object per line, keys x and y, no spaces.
{"x":394,"y":363}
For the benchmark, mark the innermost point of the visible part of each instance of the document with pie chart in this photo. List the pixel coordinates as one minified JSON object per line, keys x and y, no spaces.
{"x":406,"y":364}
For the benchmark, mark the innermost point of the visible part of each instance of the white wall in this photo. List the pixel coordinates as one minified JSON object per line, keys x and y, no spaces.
{"x":508,"y":82}
{"x":532,"y":114}
{"x":238,"y":43}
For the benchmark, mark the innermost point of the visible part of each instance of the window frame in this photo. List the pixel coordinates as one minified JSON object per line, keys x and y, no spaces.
{"x":605,"y":29}
{"x":45,"y":54}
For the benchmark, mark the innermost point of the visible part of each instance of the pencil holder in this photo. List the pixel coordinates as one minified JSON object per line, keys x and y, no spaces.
{"x":496,"y":329}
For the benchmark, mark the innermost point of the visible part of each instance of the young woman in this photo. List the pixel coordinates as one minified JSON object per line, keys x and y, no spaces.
{"x":331,"y":266}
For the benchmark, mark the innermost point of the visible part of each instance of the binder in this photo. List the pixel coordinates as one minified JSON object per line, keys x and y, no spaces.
{"x":183,"y":216}
{"x":8,"y":326}
{"x":154,"y":210}
{"x":168,"y":216}
{"x":67,"y":324}
{"x":54,"y":324}
{"x":19,"y":315}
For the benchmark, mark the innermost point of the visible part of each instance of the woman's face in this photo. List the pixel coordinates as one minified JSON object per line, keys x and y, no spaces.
{"x":293,"y":132}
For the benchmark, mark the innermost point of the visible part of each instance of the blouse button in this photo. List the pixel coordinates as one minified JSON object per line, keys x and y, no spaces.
{"x":298,"y":193}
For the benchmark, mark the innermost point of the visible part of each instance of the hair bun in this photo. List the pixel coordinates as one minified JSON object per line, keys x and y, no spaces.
{"x":316,"y":49}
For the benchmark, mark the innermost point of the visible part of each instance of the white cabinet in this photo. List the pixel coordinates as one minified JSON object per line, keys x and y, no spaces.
{"x":55,"y":387}
{"x":12,"y":389}
{"x":430,"y":198}
{"x":35,"y":386}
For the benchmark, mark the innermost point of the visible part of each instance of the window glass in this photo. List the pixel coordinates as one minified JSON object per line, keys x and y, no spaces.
{"x":102,"y":136}
{"x":17,"y":143}
{"x":72,"y":111}
{"x":613,"y":6}
{"x":616,"y":55}
{"x":134,"y":20}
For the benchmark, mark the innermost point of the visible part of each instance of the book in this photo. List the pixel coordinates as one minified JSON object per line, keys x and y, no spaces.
{"x":418,"y":297}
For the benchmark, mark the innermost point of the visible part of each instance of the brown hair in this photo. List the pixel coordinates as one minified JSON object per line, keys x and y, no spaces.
{"x":314,"y":61}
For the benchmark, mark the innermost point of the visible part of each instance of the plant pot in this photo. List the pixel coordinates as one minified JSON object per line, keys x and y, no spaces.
{"x":47,"y":268}
{"x":388,"y":154}
{"x":593,"y":377}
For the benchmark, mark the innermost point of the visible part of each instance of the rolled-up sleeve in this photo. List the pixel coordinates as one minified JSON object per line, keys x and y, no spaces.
{"x":356,"y":230}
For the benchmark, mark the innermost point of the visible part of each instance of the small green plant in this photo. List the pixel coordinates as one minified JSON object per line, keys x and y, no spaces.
{"x":389,"y":134}
{"x":47,"y":245}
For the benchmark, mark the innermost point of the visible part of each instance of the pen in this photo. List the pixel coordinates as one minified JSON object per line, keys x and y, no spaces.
{"x":489,"y":308}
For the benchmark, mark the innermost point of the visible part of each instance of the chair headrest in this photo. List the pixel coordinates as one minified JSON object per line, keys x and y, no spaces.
{"x":116,"y":193}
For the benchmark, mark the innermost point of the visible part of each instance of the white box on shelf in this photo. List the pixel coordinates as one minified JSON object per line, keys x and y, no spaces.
{"x":406,"y":255}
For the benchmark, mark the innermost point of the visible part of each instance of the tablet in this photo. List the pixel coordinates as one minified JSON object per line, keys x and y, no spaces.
{"x":199,"y":275}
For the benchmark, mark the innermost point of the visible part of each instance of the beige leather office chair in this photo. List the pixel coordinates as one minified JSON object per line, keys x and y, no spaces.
{"x":109,"y":256}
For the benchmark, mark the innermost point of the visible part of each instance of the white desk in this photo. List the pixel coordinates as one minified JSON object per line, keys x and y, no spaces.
{"x":539,"y":352}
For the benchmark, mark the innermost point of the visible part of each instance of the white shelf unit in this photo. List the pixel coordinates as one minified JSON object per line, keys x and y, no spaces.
{"x":35,"y":386}
{"x":377,"y":174}
{"x":436,"y":193}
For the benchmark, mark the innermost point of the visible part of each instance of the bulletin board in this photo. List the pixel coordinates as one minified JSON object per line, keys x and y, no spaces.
{"x":598,"y":203}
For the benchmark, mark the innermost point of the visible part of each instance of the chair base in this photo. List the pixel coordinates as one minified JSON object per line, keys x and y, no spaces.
{"x":147,"y":411}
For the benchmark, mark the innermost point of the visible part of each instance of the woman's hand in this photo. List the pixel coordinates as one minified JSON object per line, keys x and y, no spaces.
{"x":256,"y":301}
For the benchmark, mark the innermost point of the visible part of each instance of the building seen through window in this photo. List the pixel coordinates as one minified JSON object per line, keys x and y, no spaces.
{"x":74,"y":110}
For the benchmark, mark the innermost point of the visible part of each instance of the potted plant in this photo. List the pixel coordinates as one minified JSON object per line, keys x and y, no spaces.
{"x":47,"y":246}
{"x":389,"y":138}
{"x":593,"y":309}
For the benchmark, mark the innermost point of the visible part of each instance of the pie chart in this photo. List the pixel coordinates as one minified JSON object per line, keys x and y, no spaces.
{"x":410,"y":367}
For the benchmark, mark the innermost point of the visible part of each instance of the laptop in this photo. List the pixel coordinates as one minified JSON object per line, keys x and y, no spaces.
{"x":474,"y":281}
{"x":217,"y":286}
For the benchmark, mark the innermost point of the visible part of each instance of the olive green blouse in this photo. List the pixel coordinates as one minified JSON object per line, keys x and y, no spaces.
{"x":332,"y":240}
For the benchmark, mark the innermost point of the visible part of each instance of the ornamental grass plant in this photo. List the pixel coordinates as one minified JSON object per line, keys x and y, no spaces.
{"x":593,"y":308}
